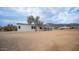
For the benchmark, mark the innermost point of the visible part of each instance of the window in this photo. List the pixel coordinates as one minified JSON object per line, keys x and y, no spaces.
{"x":19,"y":27}
{"x":40,"y":27}
{"x":33,"y":27}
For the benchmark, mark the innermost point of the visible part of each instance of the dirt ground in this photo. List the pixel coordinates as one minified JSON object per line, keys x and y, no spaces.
{"x":56,"y":40}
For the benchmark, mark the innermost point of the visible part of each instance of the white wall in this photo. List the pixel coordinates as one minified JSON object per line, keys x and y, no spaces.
{"x":24,"y":28}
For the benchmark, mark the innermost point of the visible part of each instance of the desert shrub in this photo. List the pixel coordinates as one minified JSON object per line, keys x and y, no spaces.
{"x":10,"y":27}
{"x":0,"y":27}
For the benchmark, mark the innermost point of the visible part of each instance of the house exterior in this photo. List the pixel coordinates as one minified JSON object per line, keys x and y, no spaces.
{"x":25,"y":27}
{"x":65,"y":27}
{"x":21,"y":27}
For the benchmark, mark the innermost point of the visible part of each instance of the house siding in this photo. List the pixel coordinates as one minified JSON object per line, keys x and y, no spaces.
{"x":24,"y":28}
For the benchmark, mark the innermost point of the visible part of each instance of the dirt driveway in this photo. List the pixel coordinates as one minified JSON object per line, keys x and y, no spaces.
{"x":56,"y":40}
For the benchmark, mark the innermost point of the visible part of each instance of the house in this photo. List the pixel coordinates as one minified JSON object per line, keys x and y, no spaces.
{"x":21,"y":27}
{"x":64,"y":27}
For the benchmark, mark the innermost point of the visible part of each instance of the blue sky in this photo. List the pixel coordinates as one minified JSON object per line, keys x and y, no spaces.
{"x":63,"y":15}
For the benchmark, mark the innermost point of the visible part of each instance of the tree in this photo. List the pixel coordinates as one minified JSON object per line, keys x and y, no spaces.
{"x":30,"y":20}
{"x":40,"y":24}
{"x":36,"y":21}
{"x":10,"y":27}
{"x":0,"y":28}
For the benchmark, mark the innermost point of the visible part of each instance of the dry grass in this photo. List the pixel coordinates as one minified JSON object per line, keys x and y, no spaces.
{"x":58,"y":40}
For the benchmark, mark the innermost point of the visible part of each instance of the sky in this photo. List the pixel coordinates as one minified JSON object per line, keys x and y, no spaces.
{"x":56,"y":15}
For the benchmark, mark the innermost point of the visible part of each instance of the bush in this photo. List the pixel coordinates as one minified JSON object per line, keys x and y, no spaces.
{"x":10,"y":27}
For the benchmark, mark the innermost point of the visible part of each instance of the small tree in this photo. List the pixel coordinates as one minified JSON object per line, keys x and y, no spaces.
{"x":30,"y":20}
{"x":36,"y":21}
{"x":10,"y":27}
{"x":0,"y":28}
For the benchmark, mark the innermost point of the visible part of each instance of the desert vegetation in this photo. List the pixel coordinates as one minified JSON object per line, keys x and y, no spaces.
{"x":36,"y":21}
{"x":9,"y":27}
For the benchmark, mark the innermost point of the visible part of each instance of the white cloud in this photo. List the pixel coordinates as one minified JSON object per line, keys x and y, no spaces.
{"x":29,"y":11}
{"x":64,"y":16}
{"x":49,"y":14}
{"x":10,"y":21}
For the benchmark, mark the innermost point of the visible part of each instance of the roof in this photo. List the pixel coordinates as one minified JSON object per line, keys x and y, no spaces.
{"x":22,"y":24}
{"x":65,"y":27}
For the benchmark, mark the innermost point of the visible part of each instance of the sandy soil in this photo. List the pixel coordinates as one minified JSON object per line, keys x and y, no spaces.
{"x":56,"y":40}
